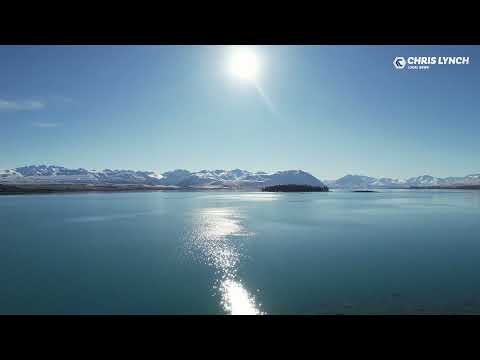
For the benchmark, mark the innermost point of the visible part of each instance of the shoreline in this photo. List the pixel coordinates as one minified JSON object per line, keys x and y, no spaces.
{"x":47,"y":189}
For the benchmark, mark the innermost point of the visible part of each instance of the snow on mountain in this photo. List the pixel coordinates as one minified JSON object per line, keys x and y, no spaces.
{"x":174,"y":177}
{"x":237,"y":178}
{"x":354,"y":181}
{"x":360,"y":181}
{"x":424,"y":180}
{"x":472,"y":179}
{"x":9,"y":176}
{"x":43,"y":174}
{"x":388,"y":183}
{"x":52,"y":174}
{"x":292,"y":177}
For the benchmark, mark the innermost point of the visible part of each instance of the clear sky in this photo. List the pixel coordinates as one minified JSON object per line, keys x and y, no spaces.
{"x":328,"y":110}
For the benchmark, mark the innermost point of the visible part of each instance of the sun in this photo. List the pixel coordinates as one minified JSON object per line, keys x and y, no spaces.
{"x":244,"y":63}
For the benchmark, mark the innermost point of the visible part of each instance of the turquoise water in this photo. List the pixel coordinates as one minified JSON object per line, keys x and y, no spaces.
{"x":392,"y":252}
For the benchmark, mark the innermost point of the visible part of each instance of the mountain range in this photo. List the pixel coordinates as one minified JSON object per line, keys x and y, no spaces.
{"x":49,"y":174}
{"x":367,"y":182}
{"x":43,"y":174}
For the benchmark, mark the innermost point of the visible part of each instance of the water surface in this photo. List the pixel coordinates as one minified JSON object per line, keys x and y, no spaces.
{"x":391,"y":252}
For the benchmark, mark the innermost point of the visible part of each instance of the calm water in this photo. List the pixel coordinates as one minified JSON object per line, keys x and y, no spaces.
{"x":394,"y":252}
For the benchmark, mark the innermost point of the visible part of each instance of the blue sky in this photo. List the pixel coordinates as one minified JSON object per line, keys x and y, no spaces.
{"x":337,"y":110}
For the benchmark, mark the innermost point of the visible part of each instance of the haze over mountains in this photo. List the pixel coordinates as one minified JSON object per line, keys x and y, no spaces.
{"x":43,"y":174}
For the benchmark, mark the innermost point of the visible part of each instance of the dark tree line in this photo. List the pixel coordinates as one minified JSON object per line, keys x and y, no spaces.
{"x":295,"y":188}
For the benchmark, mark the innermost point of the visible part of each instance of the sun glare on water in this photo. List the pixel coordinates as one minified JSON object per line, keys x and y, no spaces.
{"x":237,"y":300}
{"x":213,"y":238}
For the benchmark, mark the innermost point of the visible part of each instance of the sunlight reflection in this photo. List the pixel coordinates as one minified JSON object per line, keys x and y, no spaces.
{"x":214,"y":235}
{"x":236,"y":300}
{"x":257,"y":196}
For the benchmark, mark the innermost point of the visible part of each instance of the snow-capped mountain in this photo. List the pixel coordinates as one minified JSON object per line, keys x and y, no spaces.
{"x":473,"y":179}
{"x":43,"y":174}
{"x":236,"y":178}
{"x":360,"y":181}
{"x":353,"y":181}
{"x":424,"y":180}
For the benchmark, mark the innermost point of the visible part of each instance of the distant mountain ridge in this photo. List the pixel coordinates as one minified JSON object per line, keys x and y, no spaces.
{"x":237,"y":178}
{"x":366,"y":182}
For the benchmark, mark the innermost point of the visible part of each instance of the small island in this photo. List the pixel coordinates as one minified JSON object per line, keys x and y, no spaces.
{"x":295,"y":188}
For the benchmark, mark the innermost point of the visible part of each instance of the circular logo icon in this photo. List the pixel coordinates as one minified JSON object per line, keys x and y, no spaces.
{"x":399,"y":62}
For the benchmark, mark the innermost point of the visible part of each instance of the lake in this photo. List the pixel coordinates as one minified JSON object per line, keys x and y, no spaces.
{"x":209,"y":252}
